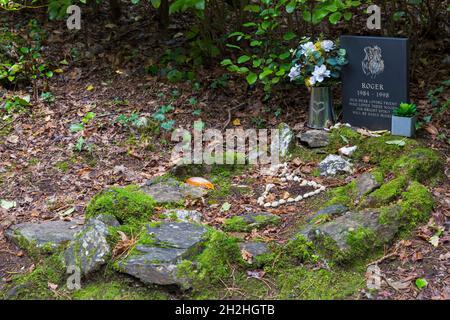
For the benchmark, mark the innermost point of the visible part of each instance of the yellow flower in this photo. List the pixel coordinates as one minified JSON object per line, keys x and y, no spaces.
{"x":317,"y":45}
{"x":308,"y":82}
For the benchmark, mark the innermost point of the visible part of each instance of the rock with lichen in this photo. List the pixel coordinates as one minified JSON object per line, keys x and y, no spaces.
{"x":46,"y":236}
{"x":315,"y":138}
{"x":158,"y":253}
{"x":89,"y":249}
{"x":333,"y":165}
{"x":172,"y":191}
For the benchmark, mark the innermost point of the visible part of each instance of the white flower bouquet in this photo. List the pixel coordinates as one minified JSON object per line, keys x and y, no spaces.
{"x":317,"y":64}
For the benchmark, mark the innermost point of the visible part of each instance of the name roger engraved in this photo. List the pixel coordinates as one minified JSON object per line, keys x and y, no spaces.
{"x":372,"y":86}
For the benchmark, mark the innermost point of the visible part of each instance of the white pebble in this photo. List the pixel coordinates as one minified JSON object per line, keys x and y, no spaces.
{"x":296,"y":178}
{"x":299,"y":198}
{"x":290,"y":200}
{"x":282,"y":201}
{"x":269,"y":186}
{"x":283,"y":179}
{"x":267,"y":205}
{"x":304,"y":183}
{"x":275,"y":204}
{"x":322,"y":188}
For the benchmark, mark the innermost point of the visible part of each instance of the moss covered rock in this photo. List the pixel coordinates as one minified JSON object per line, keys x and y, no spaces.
{"x":90,"y":248}
{"x":352,"y":235}
{"x":47,"y":236}
{"x":157,"y":254}
{"x":421,"y":164}
{"x":125,"y":204}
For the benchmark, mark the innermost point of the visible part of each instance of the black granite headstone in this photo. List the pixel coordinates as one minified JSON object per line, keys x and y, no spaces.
{"x":375,"y":81}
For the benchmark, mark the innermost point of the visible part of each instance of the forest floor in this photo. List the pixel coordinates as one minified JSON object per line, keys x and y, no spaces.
{"x":105,"y":74}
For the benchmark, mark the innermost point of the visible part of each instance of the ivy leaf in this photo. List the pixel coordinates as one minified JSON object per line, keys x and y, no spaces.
{"x":168,"y":125}
{"x":243,"y":59}
{"x":335,"y":17}
{"x":76,"y":127}
{"x":251,"y":78}
{"x":421,"y":283}
{"x":225,"y":207}
{"x":400,"y":143}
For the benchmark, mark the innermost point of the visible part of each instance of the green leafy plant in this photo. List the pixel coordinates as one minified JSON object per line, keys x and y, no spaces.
{"x":15,"y":104}
{"x":160,"y":116}
{"x":406,"y":110}
{"x":421,"y":283}
{"x":79,"y":129}
{"x":48,"y":97}
{"x":127,"y":121}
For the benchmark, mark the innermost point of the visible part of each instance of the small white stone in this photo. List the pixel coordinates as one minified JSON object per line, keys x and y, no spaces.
{"x":282,"y":201}
{"x":267,"y":205}
{"x":275,"y":204}
{"x":290,"y":200}
{"x":296,"y":178}
{"x":317,"y":191}
{"x":269,"y":186}
{"x":304,"y":183}
{"x":299,"y":198}
{"x":289,"y":178}
{"x":306,"y":195}
{"x":322,"y":188}
{"x":283,"y":179}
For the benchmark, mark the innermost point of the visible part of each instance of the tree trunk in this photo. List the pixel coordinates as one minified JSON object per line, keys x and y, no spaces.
{"x":115,"y":9}
{"x":164,"y":14}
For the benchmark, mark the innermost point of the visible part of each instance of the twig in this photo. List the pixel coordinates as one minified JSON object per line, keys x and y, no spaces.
{"x":229,"y":114}
{"x":383,"y":258}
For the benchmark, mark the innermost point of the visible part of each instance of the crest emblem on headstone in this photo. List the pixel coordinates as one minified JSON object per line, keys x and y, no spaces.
{"x":373,"y":63}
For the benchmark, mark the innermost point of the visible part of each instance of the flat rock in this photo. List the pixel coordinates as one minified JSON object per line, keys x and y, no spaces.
{"x":190,"y":170}
{"x":333,"y":165}
{"x":90,"y":249}
{"x":172,"y":191}
{"x":249,"y":221}
{"x":339,"y":229}
{"x":184,"y":215}
{"x":332,"y":211}
{"x":156,"y":263}
{"x":48,"y":234}
{"x":255,"y":249}
{"x":315,"y":138}
{"x":366,"y":183}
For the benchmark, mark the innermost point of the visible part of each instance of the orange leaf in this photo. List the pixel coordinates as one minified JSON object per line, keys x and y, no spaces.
{"x":200,"y":182}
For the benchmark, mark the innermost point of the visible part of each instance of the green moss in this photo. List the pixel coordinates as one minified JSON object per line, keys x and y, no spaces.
{"x":126,"y":204}
{"x":361,"y":241}
{"x":342,"y":137}
{"x":421,"y":164}
{"x":240,"y":224}
{"x":306,"y":154}
{"x":214,"y":262}
{"x":344,"y":195}
{"x":302,"y":283}
{"x":35,"y":285}
{"x":63,"y":166}
{"x":378,"y":175}
{"x":386,"y":193}
{"x":414,"y":208}
{"x":117,"y":290}
{"x":381,"y":153}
